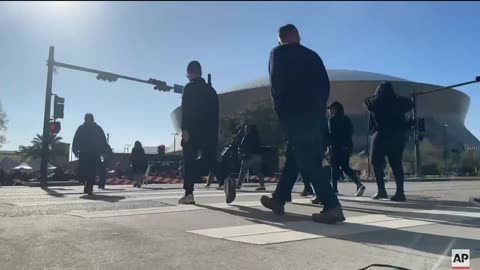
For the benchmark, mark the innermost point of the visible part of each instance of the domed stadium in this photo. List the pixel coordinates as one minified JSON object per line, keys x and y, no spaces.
{"x":444,"y":111}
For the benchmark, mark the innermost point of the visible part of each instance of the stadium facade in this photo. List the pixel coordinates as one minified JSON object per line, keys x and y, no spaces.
{"x":444,"y":111}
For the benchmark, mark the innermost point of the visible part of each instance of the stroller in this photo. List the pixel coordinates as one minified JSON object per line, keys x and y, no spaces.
{"x":229,"y":163}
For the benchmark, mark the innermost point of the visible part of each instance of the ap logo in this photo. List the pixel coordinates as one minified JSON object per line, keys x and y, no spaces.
{"x":461,"y":259}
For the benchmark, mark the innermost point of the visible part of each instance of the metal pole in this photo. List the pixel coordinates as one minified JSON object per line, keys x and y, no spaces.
{"x":418,"y":163}
{"x":445,"y":148}
{"x":46,"y":118}
{"x":369,"y":174}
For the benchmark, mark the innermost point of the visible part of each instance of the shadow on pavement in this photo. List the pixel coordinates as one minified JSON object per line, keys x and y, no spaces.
{"x":105,"y":198}
{"x":255,"y":215}
{"x":443,"y":219}
{"x":420,"y":204}
{"x":52,"y":192}
{"x":354,"y":232}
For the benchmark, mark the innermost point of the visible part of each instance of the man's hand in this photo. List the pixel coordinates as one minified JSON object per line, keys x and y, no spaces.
{"x":185,"y":136}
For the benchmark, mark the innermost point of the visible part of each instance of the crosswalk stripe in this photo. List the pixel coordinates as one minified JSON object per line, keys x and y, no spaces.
{"x":146,"y":198}
{"x":262,"y":234}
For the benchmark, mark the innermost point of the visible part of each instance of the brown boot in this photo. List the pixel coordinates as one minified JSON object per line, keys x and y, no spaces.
{"x":330,"y":216}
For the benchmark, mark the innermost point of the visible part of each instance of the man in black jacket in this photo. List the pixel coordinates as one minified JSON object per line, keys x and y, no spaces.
{"x":199,"y":128}
{"x":300,"y":89}
{"x":89,"y":143}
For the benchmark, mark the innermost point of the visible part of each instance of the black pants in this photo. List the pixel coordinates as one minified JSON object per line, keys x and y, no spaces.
{"x":88,"y":164}
{"x":340,"y":162}
{"x":102,"y":174}
{"x":191,"y":166}
{"x":390,"y":146}
{"x":306,"y":148}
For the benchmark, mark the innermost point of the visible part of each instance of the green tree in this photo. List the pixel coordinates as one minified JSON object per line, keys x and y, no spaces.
{"x":35,"y":149}
{"x":3,"y":126}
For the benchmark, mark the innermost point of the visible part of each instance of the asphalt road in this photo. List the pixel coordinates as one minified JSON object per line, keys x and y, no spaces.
{"x":127,"y":228}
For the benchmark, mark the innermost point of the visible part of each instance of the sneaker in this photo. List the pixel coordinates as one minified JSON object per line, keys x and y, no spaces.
{"x":260,"y":188}
{"x":475,"y":201}
{"x":207,"y":185}
{"x":329,"y":217}
{"x":398,"y":197}
{"x":219,"y":188}
{"x":230,"y":190}
{"x":306,"y":192}
{"x":360,"y":191}
{"x":273,"y":204}
{"x":187,"y":199}
{"x":380,"y":195}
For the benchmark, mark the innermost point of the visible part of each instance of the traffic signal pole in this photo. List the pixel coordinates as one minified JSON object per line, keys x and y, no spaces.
{"x":158,"y":85}
{"x":46,"y":118}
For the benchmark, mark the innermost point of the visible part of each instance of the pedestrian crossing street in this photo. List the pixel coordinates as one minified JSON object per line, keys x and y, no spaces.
{"x":257,"y":234}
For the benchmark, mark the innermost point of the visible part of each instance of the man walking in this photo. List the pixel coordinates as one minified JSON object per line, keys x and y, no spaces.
{"x":199,"y":128}
{"x":300,"y":89}
{"x":89,"y":143}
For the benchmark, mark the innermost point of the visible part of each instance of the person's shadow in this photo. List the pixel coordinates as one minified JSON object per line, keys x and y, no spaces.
{"x":104,"y":198}
{"x":52,"y":192}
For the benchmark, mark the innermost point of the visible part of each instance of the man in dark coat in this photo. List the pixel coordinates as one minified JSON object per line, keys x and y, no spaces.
{"x":199,"y":128}
{"x":89,"y":143}
{"x":300,"y":89}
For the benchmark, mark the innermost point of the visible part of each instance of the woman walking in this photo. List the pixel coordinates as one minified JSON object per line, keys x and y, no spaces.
{"x":138,"y":159}
{"x":387,"y":114}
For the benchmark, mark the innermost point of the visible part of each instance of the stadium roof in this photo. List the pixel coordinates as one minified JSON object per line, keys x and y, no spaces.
{"x":333,"y":74}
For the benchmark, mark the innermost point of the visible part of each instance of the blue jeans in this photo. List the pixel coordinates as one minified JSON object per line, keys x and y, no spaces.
{"x":306,"y":134}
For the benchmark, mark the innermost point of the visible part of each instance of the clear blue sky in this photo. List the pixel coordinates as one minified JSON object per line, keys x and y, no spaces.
{"x":428,"y":42}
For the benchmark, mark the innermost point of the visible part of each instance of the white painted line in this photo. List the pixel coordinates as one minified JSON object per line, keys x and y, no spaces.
{"x":227,"y":232}
{"x":302,"y":230}
{"x":146,"y":198}
{"x":469,"y":214}
{"x":159,"y":210}
{"x":272,"y":238}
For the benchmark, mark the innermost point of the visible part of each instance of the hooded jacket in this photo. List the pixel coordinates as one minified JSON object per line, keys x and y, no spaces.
{"x":387,"y":111}
{"x":138,"y":159}
{"x":340,"y":128}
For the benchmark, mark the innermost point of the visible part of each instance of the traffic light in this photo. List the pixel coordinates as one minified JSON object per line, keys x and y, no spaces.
{"x":58,"y":106}
{"x":421,"y":125}
{"x":54,"y":127}
{"x":161,"y":150}
{"x":177,"y":89}
{"x":107,"y":76}
{"x":160,"y":85}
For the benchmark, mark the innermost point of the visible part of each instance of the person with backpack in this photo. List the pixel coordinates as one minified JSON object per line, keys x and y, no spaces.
{"x":138,"y":160}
